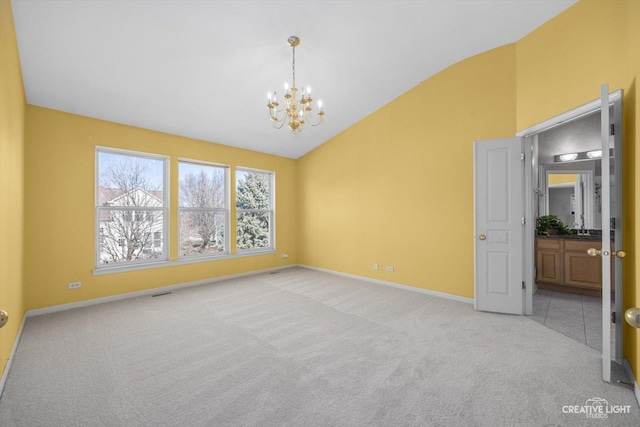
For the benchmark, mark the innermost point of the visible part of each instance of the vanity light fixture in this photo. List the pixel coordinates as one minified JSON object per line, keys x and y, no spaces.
{"x":595,"y":154}
{"x":568,"y":157}
{"x":581,"y":156}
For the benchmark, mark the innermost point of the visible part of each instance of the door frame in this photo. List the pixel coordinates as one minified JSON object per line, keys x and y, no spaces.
{"x":529,"y":135}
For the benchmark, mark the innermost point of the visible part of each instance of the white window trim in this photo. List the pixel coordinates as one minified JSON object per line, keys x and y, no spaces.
{"x":226,"y":210}
{"x":193,"y":260}
{"x":272,"y":211}
{"x":131,"y":265}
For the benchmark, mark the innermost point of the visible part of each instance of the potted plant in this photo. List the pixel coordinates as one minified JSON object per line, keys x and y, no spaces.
{"x":551,"y":224}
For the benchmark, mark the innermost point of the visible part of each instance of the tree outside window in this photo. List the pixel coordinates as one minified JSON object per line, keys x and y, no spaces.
{"x":131,"y":207}
{"x":202,"y":209}
{"x":254,"y":209}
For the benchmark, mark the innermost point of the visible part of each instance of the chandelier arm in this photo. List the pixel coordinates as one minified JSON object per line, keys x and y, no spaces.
{"x":281,"y":121}
{"x":319,"y":121}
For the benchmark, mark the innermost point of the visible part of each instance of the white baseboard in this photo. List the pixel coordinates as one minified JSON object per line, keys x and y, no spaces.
{"x":87,"y":303}
{"x":636,"y":389}
{"x":5,"y":374}
{"x":395,"y":285}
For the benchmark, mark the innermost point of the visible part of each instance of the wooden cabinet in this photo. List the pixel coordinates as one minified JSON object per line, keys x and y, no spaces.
{"x":564,"y":265}
{"x":549,"y":261}
{"x":580,"y":269}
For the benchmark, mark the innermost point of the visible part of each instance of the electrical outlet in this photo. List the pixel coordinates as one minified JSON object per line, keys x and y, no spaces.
{"x":284,"y":255}
{"x":375,"y":266}
{"x":75,"y":285}
{"x":389,"y":268}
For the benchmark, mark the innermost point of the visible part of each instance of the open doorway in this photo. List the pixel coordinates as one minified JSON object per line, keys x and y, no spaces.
{"x":506,"y":209}
{"x":568,"y":294}
{"x":567,"y":181}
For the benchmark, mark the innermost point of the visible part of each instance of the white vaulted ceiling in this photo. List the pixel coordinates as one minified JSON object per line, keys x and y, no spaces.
{"x":202,"y":69}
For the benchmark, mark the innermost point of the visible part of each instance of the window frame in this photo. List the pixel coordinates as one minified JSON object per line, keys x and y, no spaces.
{"x":271,"y":212}
{"x":98,"y":209}
{"x":225,"y":210}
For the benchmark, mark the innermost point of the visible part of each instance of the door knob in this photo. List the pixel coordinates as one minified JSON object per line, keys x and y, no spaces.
{"x":632,"y":316}
{"x":619,"y":254}
{"x":4,"y":318}
{"x":482,"y":237}
{"x":594,"y":251}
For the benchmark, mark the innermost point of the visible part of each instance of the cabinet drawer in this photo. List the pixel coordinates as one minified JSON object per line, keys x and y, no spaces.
{"x":553,"y":244}
{"x":581,"y":245}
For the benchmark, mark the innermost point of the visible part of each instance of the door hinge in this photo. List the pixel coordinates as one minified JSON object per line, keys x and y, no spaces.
{"x":613,"y":317}
{"x":523,"y":285}
{"x":523,"y":220}
{"x":612,"y":129}
{"x":521,"y":156}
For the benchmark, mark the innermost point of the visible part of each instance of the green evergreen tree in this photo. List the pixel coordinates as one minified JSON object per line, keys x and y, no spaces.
{"x":252,"y":226}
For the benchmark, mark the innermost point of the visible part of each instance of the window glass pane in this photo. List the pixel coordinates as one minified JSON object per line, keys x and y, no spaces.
{"x":253,"y":190}
{"x":201,"y":186}
{"x":253,"y":230}
{"x":201,"y":232}
{"x":129,"y":180}
{"x":128,"y":235}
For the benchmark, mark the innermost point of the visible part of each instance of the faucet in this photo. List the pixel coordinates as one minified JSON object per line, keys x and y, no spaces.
{"x":583,"y":231}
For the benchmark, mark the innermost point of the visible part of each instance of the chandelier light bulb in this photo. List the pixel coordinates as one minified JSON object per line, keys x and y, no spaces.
{"x":297,"y":104}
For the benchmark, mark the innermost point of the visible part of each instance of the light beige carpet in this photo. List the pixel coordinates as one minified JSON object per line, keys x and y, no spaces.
{"x":300,"y":348}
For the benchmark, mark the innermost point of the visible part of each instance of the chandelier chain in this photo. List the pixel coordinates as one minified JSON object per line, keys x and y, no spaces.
{"x":293,"y":66}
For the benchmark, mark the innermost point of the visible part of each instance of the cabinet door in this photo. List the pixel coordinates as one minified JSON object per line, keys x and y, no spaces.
{"x":548,"y":268}
{"x":582,"y":270}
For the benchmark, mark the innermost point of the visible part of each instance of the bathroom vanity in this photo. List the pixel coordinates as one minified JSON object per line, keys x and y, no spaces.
{"x":562,"y":264}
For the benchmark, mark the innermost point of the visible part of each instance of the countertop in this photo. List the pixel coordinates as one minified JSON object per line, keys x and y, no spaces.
{"x":590,"y":237}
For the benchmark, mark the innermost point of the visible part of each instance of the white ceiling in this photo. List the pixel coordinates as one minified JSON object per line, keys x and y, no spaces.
{"x":202,"y":69}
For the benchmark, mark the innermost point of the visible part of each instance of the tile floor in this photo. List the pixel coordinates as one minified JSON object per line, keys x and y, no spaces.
{"x":577,"y":316}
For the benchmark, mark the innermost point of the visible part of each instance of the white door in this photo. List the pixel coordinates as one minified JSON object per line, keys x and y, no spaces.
{"x":606,"y":234}
{"x":608,"y":250}
{"x":499,"y":207}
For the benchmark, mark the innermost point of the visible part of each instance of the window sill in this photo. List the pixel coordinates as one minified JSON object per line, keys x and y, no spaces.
{"x":181,"y":261}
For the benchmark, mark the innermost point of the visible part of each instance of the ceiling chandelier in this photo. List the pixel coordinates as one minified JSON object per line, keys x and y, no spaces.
{"x":296,"y":108}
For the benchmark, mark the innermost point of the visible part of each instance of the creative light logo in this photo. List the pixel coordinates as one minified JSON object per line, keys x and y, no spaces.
{"x":596,"y":407}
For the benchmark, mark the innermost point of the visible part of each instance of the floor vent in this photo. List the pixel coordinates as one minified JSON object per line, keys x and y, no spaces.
{"x":159,"y":295}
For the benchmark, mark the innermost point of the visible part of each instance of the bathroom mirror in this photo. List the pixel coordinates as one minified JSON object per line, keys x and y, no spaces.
{"x":571,"y":195}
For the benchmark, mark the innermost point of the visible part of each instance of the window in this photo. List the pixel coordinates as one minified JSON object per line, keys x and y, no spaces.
{"x":254,"y":210}
{"x":203,"y":209}
{"x":131,"y":207}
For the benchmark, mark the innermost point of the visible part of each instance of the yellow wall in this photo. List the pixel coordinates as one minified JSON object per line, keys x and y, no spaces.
{"x":12,"y":106}
{"x":562,"y":64}
{"x":59,"y":207}
{"x":397,"y":187}
{"x":560,"y":178}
